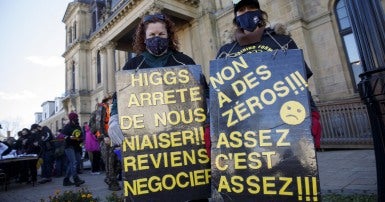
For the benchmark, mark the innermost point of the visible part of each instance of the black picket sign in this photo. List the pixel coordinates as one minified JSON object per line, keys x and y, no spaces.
{"x":262,"y":148}
{"x":162,"y":113}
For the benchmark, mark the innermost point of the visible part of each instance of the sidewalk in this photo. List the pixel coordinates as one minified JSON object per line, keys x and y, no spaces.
{"x":347,"y":171}
{"x":28,"y":193}
{"x":342,"y":171}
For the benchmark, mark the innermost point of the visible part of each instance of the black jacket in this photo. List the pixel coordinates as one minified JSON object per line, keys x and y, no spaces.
{"x":177,"y":58}
{"x":270,"y":41}
{"x":73,"y":136}
{"x":46,"y":143}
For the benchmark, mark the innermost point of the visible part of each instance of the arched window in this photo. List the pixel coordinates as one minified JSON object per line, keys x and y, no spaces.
{"x":349,"y":41}
{"x":98,"y":68}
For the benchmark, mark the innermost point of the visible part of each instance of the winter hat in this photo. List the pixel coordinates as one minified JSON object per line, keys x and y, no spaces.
{"x":72,"y":116}
{"x":239,"y":3}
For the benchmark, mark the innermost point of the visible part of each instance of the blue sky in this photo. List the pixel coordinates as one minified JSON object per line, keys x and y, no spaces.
{"x":31,"y":63}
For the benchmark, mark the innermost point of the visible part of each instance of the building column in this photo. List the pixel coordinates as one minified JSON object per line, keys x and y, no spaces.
{"x":110,"y":49}
{"x":103,"y":63}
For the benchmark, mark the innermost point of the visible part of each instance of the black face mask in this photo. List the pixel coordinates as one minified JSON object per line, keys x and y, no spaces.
{"x":157,"y":45}
{"x":249,"y":20}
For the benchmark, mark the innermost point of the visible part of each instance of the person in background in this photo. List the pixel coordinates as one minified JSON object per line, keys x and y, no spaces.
{"x":21,"y":148}
{"x":12,"y":142}
{"x":47,"y":152}
{"x":33,"y":148}
{"x":34,"y":140}
{"x":21,"y":142}
{"x":73,"y":138}
{"x":316,"y":128}
{"x":5,"y":148}
{"x":60,"y":156}
{"x":93,"y":149}
{"x":107,"y":149}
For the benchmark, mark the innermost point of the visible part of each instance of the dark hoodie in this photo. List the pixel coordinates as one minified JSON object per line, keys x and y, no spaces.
{"x":270,"y":41}
{"x":73,"y":136}
{"x":46,"y":140}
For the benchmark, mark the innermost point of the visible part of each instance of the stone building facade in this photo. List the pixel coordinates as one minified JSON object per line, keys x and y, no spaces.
{"x":99,"y":37}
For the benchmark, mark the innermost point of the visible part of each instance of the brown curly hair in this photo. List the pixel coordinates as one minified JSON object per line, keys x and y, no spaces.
{"x":140,"y":34}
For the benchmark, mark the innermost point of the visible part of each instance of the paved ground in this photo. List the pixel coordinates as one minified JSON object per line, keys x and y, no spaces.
{"x":346,"y":171}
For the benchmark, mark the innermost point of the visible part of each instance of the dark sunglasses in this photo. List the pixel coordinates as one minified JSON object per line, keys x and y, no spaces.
{"x":154,"y":17}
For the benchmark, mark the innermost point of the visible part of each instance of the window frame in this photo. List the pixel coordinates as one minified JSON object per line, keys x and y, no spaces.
{"x":343,"y":33}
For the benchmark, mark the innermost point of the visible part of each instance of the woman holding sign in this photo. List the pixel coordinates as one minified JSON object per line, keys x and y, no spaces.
{"x":252,"y":36}
{"x":156,"y":45}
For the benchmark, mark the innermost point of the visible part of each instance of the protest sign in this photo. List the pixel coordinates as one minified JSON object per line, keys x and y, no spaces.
{"x":262,"y":148}
{"x":162,"y":113}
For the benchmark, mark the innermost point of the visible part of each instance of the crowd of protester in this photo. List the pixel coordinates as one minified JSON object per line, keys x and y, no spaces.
{"x":53,"y":155}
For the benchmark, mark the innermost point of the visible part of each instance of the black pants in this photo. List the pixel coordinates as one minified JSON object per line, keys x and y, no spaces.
{"x":95,"y":162}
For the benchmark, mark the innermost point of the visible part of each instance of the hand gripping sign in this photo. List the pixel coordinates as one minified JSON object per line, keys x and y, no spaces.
{"x":261,"y":144}
{"x":162,"y":113}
